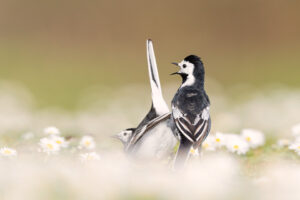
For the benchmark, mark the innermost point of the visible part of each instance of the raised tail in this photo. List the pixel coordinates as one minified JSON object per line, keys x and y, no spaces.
{"x":159,"y":104}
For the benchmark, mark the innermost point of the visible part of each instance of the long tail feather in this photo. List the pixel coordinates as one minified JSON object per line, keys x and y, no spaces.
{"x":158,"y":101}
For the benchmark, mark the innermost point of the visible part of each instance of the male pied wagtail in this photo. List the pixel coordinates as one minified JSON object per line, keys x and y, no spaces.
{"x":190,"y":109}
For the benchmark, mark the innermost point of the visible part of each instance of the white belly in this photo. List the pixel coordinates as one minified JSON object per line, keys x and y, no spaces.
{"x":157,"y":143}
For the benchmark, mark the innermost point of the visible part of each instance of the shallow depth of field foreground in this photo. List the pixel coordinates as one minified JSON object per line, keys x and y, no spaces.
{"x":252,"y":152}
{"x":73,"y":73}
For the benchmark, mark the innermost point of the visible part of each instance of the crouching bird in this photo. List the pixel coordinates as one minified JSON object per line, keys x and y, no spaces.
{"x":190,"y":109}
{"x":153,"y":138}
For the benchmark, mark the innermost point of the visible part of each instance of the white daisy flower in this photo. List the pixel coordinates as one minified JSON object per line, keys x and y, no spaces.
{"x":254,"y":138}
{"x":296,"y":130}
{"x":283,"y":142}
{"x":49,"y":146}
{"x":5,"y":151}
{"x":220,"y":139}
{"x":89,"y":156}
{"x":209,"y":144}
{"x":194,"y":152}
{"x":60,"y":141}
{"x":51,"y":130}
{"x":237,"y":145}
{"x":87,"y":142}
{"x":295,"y":147}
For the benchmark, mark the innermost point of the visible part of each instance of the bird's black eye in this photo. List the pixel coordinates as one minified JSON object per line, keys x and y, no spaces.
{"x":184,"y":65}
{"x":125,"y":134}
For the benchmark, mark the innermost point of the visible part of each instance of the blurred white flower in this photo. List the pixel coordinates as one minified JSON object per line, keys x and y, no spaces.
{"x":209,"y":144}
{"x":60,"y":141}
{"x":49,"y":146}
{"x":254,"y":138}
{"x":237,"y":145}
{"x":296,"y":130}
{"x":283,"y":142}
{"x":5,"y":151}
{"x":89,"y":156}
{"x":87,"y":142}
{"x":28,"y":136}
{"x":194,"y":152}
{"x":51,"y":130}
{"x":295,"y":147}
{"x":220,"y":139}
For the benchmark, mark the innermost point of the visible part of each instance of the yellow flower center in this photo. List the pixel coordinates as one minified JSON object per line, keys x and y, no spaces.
{"x":6,"y":151}
{"x":205,"y":145}
{"x":192,"y":150}
{"x":58,"y":142}
{"x":298,"y":147}
{"x":236,"y":146}
{"x":248,"y":139}
{"x":87,"y":143}
{"x":218,"y":140}
{"x":50,"y":146}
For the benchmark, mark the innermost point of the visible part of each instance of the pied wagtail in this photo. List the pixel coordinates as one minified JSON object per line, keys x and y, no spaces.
{"x":153,"y":137}
{"x":190,"y":109}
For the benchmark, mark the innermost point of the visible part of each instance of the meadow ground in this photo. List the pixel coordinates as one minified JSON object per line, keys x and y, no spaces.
{"x":78,"y":159}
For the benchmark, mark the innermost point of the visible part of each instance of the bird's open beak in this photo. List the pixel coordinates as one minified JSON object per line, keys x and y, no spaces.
{"x":175,"y":73}
{"x":174,"y":63}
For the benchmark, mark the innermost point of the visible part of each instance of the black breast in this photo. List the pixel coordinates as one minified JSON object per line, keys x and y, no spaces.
{"x":190,"y":101}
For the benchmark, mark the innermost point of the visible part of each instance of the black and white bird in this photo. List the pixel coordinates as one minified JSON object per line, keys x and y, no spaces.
{"x":190,"y":109}
{"x":153,"y":137}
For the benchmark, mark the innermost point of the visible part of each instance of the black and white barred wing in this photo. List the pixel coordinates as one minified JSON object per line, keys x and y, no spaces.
{"x":140,"y":132}
{"x":195,"y":131}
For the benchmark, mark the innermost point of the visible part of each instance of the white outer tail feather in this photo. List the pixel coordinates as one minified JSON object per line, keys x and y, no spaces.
{"x":158,"y":101}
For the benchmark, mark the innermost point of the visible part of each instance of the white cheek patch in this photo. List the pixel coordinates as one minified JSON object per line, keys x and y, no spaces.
{"x":189,"y":69}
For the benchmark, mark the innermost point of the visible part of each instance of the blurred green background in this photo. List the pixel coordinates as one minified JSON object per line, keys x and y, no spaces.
{"x":60,"y":49}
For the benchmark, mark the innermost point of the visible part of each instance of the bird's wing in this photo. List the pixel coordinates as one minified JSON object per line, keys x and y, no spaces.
{"x":192,"y":130}
{"x":140,"y":132}
{"x":158,"y":101}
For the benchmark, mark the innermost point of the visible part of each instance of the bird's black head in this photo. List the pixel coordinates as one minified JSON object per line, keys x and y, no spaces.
{"x":191,"y":70}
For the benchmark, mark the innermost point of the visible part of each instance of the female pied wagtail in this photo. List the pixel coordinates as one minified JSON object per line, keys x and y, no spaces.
{"x":153,"y":137}
{"x":190,"y":109}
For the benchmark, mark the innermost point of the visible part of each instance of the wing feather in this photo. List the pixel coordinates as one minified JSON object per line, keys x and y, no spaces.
{"x":139,"y":133}
{"x":192,"y":131}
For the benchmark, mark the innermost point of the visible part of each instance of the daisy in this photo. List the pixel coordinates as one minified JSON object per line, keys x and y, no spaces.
{"x":209,"y":144}
{"x":5,"y":151}
{"x":296,"y":130}
{"x":60,"y":141}
{"x":220,"y":139}
{"x":87,"y":142}
{"x":237,"y":145}
{"x":254,"y":138}
{"x":194,"y":152}
{"x":51,"y":130}
{"x":296,"y":147}
{"x":89,"y":156}
{"x":49,"y":146}
{"x":283,"y":142}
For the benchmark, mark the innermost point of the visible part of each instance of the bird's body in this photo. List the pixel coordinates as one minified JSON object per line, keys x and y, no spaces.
{"x":158,"y":142}
{"x":153,"y":138}
{"x":190,"y":109}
